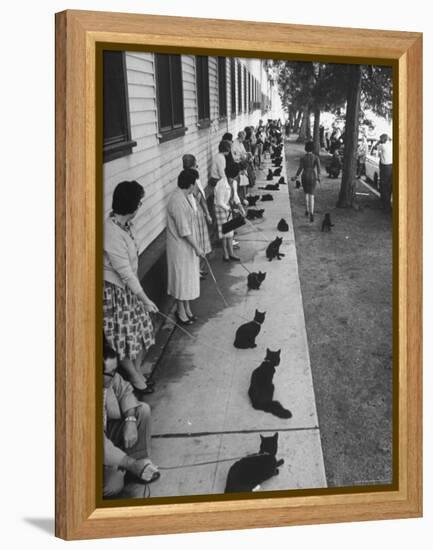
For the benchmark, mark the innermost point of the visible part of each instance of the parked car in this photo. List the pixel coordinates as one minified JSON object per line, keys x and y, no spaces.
{"x":372,"y":167}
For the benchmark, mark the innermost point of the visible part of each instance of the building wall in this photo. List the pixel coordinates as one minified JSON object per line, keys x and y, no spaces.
{"x":156,"y":165}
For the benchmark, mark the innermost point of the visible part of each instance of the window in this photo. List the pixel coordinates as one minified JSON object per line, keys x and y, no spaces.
{"x":202,"y":79}
{"x":233,"y":87}
{"x":168,"y":70}
{"x":245,"y":90}
{"x":116,"y":125}
{"x":222,"y":87}
{"x":239,"y":88}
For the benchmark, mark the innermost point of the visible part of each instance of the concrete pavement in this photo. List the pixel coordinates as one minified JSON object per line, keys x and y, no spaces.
{"x":202,"y":418}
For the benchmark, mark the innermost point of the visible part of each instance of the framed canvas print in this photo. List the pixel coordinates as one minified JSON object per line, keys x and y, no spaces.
{"x":238,"y":274}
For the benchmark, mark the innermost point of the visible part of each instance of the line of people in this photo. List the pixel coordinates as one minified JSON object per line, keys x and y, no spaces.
{"x":194,"y":215}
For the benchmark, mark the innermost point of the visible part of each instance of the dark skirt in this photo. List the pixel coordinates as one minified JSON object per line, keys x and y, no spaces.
{"x":309,"y":181}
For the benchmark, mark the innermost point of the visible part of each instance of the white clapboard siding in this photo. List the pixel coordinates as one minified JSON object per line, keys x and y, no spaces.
{"x":156,"y":165}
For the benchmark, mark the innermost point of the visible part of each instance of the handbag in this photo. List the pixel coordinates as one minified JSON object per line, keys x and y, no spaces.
{"x":234,"y":223}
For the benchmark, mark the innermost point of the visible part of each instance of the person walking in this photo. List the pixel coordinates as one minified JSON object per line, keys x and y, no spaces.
{"x":126,"y":307}
{"x":385,"y":171}
{"x":183,"y":250}
{"x":361,"y":155}
{"x":309,"y":167}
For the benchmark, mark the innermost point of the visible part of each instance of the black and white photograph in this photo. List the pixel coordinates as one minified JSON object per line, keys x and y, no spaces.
{"x":247,"y":275}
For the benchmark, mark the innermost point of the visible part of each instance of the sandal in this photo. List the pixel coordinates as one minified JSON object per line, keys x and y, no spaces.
{"x":150,"y":473}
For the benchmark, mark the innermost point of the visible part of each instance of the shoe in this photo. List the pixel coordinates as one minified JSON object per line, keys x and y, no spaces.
{"x":235,"y":258}
{"x":181,"y":322}
{"x":226,"y":259}
{"x":192,"y":317}
{"x":146,"y":391}
{"x":311,"y":217}
{"x":150,"y":473}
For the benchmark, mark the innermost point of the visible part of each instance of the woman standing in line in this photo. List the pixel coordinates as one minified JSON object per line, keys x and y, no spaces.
{"x":226,"y":196}
{"x":309,"y":166}
{"x":183,"y":250}
{"x":128,"y":328}
{"x":198,"y":201}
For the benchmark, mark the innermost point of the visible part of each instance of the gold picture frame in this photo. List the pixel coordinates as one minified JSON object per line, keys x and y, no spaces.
{"x":78,"y":34}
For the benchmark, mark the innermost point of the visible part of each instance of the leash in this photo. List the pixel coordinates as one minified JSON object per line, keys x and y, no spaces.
{"x":209,"y":462}
{"x":200,"y":463}
{"x":192,"y":336}
{"x":222,"y":295}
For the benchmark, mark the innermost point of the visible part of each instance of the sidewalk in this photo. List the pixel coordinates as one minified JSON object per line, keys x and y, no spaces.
{"x":201,"y":411}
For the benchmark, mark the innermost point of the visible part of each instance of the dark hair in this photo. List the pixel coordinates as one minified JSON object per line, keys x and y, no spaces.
{"x":224,"y":146}
{"x":309,"y":147}
{"x":243,"y":165}
{"x":227,"y":137}
{"x":188,"y":161}
{"x":108,"y":352}
{"x":232,"y":170}
{"x":187,"y":178}
{"x":126,"y":197}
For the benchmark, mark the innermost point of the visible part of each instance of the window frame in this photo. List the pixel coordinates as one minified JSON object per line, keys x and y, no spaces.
{"x":174,"y":131}
{"x":202,"y":87}
{"x":239,"y":83}
{"x":112,"y":148}
{"x":222,"y":88}
{"x":233,"y":87}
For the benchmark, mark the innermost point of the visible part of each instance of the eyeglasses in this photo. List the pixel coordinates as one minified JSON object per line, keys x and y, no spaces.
{"x":111,"y":374}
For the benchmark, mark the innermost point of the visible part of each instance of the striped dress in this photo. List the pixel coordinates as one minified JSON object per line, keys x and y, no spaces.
{"x":203,"y":232}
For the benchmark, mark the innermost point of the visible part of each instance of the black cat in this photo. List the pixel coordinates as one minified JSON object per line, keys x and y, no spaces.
{"x":253,"y":214}
{"x":247,"y":333}
{"x":267,"y":197}
{"x":281,"y":181}
{"x":273,"y":250}
{"x":247,"y":473}
{"x":283,"y":225}
{"x":277,"y":172}
{"x":269,"y":176}
{"x":255,"y":279}
{"x":252,"y":199}
{"x":261,"y":391}
{"x":271,"y":187}
{"x":327,"y":224}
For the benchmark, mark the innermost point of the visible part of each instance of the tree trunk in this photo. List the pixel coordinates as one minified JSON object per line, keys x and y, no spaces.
{"x":309,"y":137}
{"x":305,"y":124}
{"x":297,"y":123}
{"x":316,"y":130}
{"x":345,"y":197}
{"x":292,"y":115}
